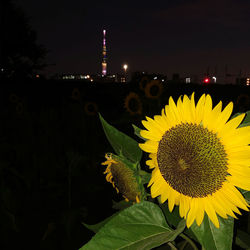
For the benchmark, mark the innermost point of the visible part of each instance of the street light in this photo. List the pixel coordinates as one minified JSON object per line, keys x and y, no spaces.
{"x":125,"y":67}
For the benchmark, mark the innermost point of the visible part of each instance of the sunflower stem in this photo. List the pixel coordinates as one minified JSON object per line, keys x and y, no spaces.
{"x":189,"y":241}
{"x":173,"y":247}
{"x":183,"y":245}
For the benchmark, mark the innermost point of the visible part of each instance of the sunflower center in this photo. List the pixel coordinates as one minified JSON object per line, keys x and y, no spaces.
{"x":192,"y":160}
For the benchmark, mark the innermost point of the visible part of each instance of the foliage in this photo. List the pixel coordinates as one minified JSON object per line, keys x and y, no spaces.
{"x":149,"y":224}
{"x":141,"y":226}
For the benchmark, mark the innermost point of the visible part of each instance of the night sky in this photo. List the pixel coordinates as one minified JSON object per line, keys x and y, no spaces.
{"x":165,"y":37}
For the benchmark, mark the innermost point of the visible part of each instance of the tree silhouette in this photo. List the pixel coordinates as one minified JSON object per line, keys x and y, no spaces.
{"x":20,"y":55}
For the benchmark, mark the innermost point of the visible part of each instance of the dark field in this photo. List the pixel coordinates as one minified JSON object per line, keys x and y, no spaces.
{"x":51,"y":148}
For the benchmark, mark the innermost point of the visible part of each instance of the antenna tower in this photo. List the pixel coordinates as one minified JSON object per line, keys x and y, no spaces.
{"x":104,"y":55}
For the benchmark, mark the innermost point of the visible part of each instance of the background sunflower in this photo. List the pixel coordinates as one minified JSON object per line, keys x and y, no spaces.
{"x":76,"y":94}
{"x":133,"y":104}
{"x":13,"y":98}
{"x":153,"y":89}
{"x":143,"y":82}
{"x":90,"y":108}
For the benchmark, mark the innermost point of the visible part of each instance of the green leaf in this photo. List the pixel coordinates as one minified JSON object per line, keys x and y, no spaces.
{"x":96,"y":227}
{"x":242,"y":239}
{"x":122,"y":144}
{"x":137,"y":132}
{"x":246,"y":121}
{"x":173,"y":219}
{"x":235,"y":115}
{"x":145,"y":176}
{"x":244,"y":124}
{"x":141,"y":226}
{"x":121,"y":204}
{"x":214,"y":238}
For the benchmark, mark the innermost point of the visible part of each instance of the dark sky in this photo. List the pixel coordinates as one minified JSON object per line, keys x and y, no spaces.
{"x":156,"y":36}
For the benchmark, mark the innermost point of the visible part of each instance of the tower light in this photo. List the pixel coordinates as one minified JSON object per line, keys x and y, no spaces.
{"x":104,"y":55}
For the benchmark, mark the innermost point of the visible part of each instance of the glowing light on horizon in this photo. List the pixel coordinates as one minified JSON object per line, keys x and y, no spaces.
{"x":125,"y":67}
{"x":206,"y":80}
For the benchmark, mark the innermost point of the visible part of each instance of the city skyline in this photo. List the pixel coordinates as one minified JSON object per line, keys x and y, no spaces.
{"x":181,"y":37}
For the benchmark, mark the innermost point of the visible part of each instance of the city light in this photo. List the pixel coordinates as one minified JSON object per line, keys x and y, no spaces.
{"x":206,"y":80}
{"x":248,"y":82}
{"x":125,"y":67}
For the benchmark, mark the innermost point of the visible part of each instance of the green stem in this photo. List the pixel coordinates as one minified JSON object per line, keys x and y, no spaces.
{"x":189,"y":241}
{"x":172,"y":246}
{"x":183,"y":245}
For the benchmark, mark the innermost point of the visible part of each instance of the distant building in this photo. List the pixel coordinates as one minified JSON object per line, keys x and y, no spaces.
{"x":140,"y":76}
{"x":243,"y":81}
{"x":115,"y":78}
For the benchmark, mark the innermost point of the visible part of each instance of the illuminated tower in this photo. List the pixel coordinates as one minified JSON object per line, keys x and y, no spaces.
{"x":104,"y":55}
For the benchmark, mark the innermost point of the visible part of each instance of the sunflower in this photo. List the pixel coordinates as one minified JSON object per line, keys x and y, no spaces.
{"x":123,"y":178}
{"x":19,"y":108}
{"x":143,"y":82}
{"x":76,"y":94}
{"x":199,"y":158}
{"x":133,"y":104}
{"x":153,"y":89}
{"x":13,"y":98}
{"x":91,"y":108}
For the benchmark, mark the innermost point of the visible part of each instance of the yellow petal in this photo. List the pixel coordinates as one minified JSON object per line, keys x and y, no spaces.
{"x":214,"y":115}
{"x":200,"y":212}
{"x":227,"y":204}
{"x":149,"y":146}
{"x":192,"y":212}
{"x":184,"y":205}
{"x":243,"y":183}
{"x":224,"y":115}
{"x":172,"y":111}
{"x":240,"y":137}
{"x":211,"y":213}
{"x":187,"y":110}
{"x":164,"y":197}
{"x":231,"y":125}
{"x":155,"y":190}
{"x":180,"y":108}
{"x":200,"y":109}
{"x":171,"y":200}
{"x":151,"y":124}
{"x":207,"y":111}
{"x":218,"y":206}
{"x":150,"y":163}
{"x":151,"y":135}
